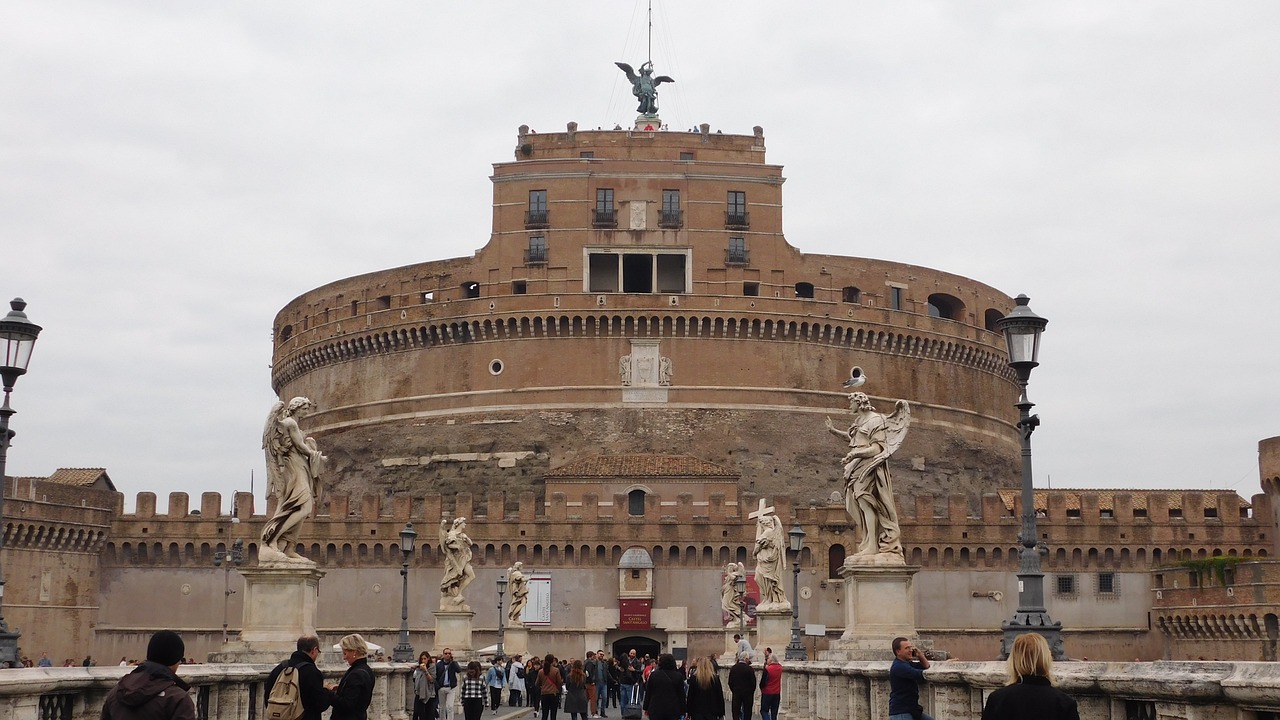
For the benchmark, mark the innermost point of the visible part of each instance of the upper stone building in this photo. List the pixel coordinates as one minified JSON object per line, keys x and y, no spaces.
{"x":637,"y":295}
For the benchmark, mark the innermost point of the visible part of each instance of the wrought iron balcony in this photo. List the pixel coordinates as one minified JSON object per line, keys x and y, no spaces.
{"x":737,"y":256}
{"x":535,"y":256}
{"x":604,"y":218}
{"x":671,"y":219}
{"x":737,"y":220}
{"x":534,"y":220}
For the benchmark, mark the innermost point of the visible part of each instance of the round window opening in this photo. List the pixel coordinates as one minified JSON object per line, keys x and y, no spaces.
{"x":495,"y":367}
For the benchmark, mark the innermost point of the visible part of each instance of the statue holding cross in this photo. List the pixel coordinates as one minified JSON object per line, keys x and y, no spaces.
{"x":771,"y":558}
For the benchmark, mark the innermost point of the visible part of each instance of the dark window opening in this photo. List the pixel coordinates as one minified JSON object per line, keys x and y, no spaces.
{"x":536,"y":253}
{"x":1139,"y":512}
{"x":804,"y":290}
{"x":637,"y":273}
{"x":1073,"y":512}
{"x":835,"y":561}
{"x":471,"y":289}
{"x":428,"y":296}
{"x":602,"y":272}
{"x":895,"y":298}
{"x":384,"y":302}
{"x":671,"y":273}
{"x":735,"y":215}
{"x":1175,"y":513}
{"x":686,"y":156}
{"x":1066,"y":584}
{"x":1106,"y":514}
{"x":751,"y":289}
{"x":670,"y":216}
{"x":990,"y":318}
{"x":635,"y":503}
{"x":1106,"y":583}
{"x":355,"y":308}
{"x":1159,"y":580}
{"x":537,"y":213}
{"x":586,"y":154}
{"x":946,"y":306}
{"x":737,"y":252}
{"x":519,"y":287}
{"x":1210,"y":512}
{"x":851,"y":294}
{"x":286,"y":332}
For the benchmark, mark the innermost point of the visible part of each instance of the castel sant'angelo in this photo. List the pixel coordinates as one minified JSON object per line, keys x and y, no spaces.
{"x":632,"y":361}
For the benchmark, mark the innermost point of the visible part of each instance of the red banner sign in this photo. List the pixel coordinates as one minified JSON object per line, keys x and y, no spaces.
{"x":634,"y":614}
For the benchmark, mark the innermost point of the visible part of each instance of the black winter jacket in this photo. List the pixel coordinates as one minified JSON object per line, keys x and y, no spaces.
{"x":151,"y":692}
{"x":1034,"y":697}
{"x":315,"y":699}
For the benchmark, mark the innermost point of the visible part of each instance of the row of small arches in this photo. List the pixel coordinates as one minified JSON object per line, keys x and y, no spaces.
{"x":1220,"y":627}
{"x":1064,"y":558}
{"x":675,"y":326}
{"x":51,"y":537}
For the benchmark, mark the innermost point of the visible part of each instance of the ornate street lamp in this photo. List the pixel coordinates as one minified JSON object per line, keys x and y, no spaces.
{"x":225,"y":560}
{"x":17,"y":339}
{"x":795,"y":648}
{"x":502,"y":588}
{"x":1022,"y":330}
{"x":740,"y":585}
{"x":404,"y":651}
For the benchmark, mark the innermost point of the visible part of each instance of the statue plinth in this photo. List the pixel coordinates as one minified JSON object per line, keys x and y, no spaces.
{"x":773,"y":630}
{"x":648,"y":123}
{"x":515,"y":641}
{"x":279,"y":607}
{"x":879,"y":605}
{"x":453,"y":630}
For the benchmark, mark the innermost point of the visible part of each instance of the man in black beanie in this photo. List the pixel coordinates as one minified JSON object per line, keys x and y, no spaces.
{"x":153,"y":691}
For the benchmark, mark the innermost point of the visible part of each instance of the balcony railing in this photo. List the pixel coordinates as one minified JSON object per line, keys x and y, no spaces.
{"x":737,"y":256}
{"x":535,"y":256}
{"x":601,"y":218}
{"x":737,"y":220}
{"x":671,"y":219}
{"x":534,"y":220}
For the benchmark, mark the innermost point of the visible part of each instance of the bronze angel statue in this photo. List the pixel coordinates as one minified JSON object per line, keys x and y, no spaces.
{"x":868,"y":494}
{"x":294,"y":465}
{"x":645,"y":86}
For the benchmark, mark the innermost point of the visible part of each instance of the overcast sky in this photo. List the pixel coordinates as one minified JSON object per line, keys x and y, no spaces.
{"x":171,"y":174}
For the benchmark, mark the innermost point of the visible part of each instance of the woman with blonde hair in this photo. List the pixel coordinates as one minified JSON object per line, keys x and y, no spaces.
{"x":352,"y":694}
{"x":706,"y":697}
{"x":1030,"y":692}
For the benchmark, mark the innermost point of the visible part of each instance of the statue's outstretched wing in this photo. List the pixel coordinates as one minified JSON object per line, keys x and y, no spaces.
{"x":443,"y":536}
{"x":631,"y":74}
{"x":661,"y":79}
{"x":275,"y":476}
{"x":897,"y":423}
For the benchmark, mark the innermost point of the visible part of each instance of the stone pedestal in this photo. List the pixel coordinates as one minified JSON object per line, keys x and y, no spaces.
{"x":515,"y":641}
{"x":279,"y":607}
{"x":879,"y":605}
{"x":773,"y":630}
{"x":453,"y":630}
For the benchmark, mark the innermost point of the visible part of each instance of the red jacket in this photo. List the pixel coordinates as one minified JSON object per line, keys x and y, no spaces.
{"x":771,"y":679}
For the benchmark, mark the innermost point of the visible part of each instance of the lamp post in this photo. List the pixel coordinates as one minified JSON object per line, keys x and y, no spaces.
{"x":17,"y":339}
{"x":225,"y":560}
{"x":502,"y":588}
{"x":795,"y":648}
{"x":1022,"y":330}
{"x":740,"y":585}
{"x":404,"y":651}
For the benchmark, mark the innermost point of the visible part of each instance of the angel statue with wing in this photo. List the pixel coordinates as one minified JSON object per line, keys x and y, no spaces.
{"x":645,"y":87}
{"x":294,"y":465}
{"x":458,"y":572}
{"x":868,"y":494}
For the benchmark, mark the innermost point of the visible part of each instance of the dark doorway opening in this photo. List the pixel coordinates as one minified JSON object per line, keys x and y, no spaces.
{"x":642,"y":645}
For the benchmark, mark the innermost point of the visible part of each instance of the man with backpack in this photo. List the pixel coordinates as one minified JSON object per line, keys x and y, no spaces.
{"x":295,"y":687}
{"x":495,"y":678}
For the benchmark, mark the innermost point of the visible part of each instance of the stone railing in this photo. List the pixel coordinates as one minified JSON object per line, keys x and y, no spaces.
{"x":1104,"y":691}
{"x":220,"y":692}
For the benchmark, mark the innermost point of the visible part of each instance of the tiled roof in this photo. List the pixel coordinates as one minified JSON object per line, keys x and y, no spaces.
{"x":82,"y":477}
{"x":1106,"y":498}
{"x":652,"y":466}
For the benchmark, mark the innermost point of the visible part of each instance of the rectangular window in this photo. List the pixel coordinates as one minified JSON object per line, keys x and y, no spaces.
{"x":1139,"y":512}
{"x":604,"y":215}
{"x":537,"y":214}
{"x":1073,"y":513}
{"x":735,"y":215}
{"x":519,"y":287}
{"x":751,"y":289}
{"x":737,"y":252}
{"x":670,"y":217}
{"x":586,"y":154}
{"x":1107,"y":583}
{"x":686,"y":156}
{"x":1066,"y":585}
{"x":895,"y":298}
{"x":637,"y":272}
{"x":355,"y":308}
{"x":384,"y":302}
{"x":1175,"y":513}
{"x":537,"y":251}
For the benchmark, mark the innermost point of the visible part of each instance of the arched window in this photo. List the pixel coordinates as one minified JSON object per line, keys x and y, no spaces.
{"x":471,"y":289}
{"x":851,"y":294}
{"x":990,"y":317}
{"x":635,"y":503}
{"x":804,"y":290}
{"x":835,"y":561}
{"x":946,"y":306}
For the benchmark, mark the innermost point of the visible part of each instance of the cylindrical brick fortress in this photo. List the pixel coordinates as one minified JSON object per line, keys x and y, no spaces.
{"x":637,"y":295}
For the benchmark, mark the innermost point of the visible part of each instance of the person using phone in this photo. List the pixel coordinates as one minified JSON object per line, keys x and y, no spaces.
{"x":905,"y":676}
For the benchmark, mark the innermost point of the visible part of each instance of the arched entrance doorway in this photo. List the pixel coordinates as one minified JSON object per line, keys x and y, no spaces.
{"x":642,"y":645}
